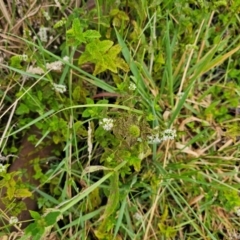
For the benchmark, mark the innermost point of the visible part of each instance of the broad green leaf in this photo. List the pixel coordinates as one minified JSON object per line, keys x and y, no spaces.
{"x":51,"y":218}
{"x":109,"y":63}
{"x":105,"y":45}
{"x":114,"y":51}
{"x":35,"y":215}
{"x":22,"y":193}
{"x":91,"y":34}
{"x":85,"y":57}
{"x":93,"y":50}
{"x":22,"y":109}
{"x":76,"y":27}
{"x":122,"y":64}
{"x":98,"y":69}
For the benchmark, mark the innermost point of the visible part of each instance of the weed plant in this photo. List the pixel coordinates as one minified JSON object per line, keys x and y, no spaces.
{"x":141,"y":99}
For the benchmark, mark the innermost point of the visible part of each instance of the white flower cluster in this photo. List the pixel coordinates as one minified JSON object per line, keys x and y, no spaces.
{"x":237,"y":211}
{"x":13,"y":220}
{"x":59,"y":87}
{"x":56,"y":66}
{"x":107,"y":124}
{"x":154,"y":139}
{"x":180,"y":95}
{"x":132,"y":87}
{"x":35,"y":70}
{"x":23,"y":57}
{"x":3,"y":168}
{"x":138,"y":216}
{"x":66,"y":58}
{"x":43,"y":34}
{"x":168,"y":134}
{"x":27,"y":33}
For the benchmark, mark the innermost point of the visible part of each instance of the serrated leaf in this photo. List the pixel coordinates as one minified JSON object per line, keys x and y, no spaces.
{"x":78,"y":31}
{"x":11,"y":188}
{"x":22,"y":193}
{"x":105,"y":45}
{"x":114,"y":51}
{"x":122,"y":64}
{"x":76,"y":27}
{"x":85,"y":57}
{"x":110,"y":64}
{"x":91,"y":34}
{"x":99,"y":68}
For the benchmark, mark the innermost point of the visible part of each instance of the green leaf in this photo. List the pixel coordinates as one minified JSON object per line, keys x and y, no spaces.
{"x":22,"y":193}
{"x":22,"y":109}
{"x":85,"y":57}
{"x":114,"y":51}
{"x":104,"y":45}
{"x":93,"y":50}
{"x":35,"y":230}
{"x":15,"y":61}
{"x":35,"y":215}
{"x":91,"y":34}
{"x":77,"y":30}
{"x":86,"y":113}
{"x":90,"y":101}
{"x":122,"y":64}
{"x":98,"y":69}
{"x":51,"y":218}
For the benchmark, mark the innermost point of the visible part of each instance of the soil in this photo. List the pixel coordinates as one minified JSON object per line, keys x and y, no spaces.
{"x":27,"y":153}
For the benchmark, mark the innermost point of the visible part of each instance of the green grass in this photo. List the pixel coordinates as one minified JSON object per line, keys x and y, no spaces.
{"x":182,"y":56}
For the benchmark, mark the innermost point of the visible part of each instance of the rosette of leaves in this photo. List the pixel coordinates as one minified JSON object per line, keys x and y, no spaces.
{"x":130,"y":128}
{"x":104,"y":55}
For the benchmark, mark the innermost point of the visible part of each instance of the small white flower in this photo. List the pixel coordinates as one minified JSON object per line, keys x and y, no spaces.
{"x":132,"y":86}
{"x":27,"y":33}
{"x":59,"y":88}
{"x":35,"y":70}
{"x":237,"y":211}
{"x":138,"y":216}
{"x":169,"y":134}
{"x":107,"y":123}
{"x":154,"y":139}
{"x":3,"y":168}
{"x":180,"y":95}
{"x":57,"y":66}
{"x":66,"y":58}
{"x":13,"y":220}
{"x":43,"y":34}
{"x":23,"y":57}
